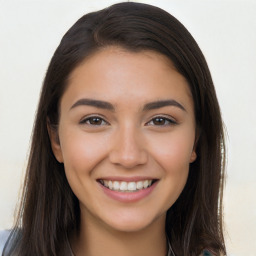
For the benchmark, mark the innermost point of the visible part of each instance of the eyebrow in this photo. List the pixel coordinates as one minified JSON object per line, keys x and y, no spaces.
{"x":106,"y":105}
{"x":161,"y":104}
{"x":93,"y":103}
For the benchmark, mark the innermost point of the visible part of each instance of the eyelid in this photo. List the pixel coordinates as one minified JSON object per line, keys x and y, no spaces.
{"x":168,"y":118}
{"x":86,"y":118}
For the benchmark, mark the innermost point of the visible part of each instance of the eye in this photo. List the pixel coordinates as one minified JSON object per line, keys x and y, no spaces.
{"x":94,"y":121}
{"x":161,"y":121}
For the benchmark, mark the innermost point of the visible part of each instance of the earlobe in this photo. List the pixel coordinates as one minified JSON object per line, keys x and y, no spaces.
{"x":55,"y":142}
{"x":193,"y":156}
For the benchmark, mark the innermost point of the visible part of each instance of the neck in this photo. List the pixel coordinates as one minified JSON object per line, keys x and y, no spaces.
{"x":95,"y":239}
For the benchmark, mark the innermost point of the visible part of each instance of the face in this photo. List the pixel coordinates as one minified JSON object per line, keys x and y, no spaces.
{"x":126,"y":137}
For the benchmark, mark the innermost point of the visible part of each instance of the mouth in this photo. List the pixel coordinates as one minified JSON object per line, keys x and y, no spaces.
{"x":127,"y":187}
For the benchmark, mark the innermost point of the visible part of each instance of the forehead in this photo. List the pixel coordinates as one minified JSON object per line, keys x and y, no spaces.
{"x":119,"y":73}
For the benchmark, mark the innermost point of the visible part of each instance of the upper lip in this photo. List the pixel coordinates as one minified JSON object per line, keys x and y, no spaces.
{"x":127,"y":179}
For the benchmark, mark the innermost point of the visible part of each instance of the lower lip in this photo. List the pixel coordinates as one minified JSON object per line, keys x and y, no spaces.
{"x":128,"y":197}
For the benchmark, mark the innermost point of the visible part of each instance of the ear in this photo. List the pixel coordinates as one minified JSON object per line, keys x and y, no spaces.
{"x":55,"y":142}
{"x":197,"y":136}
{"x":193,"y":155}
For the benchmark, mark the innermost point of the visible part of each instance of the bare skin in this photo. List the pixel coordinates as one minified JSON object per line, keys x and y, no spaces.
{"x":125,"y":117}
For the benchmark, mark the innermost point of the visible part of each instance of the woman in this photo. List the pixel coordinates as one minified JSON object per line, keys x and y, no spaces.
{"x":127,"y":155}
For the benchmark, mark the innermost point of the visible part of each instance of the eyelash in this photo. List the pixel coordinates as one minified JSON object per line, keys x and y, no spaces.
{"x":88,"y":120}
{"x":167,"y":121}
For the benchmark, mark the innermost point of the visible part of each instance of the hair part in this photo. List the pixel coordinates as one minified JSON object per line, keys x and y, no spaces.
{"x":49,"y":210}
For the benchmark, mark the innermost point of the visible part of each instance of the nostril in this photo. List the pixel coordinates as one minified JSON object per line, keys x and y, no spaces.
{"x":128,"y":160}
{"x":127,"y":147}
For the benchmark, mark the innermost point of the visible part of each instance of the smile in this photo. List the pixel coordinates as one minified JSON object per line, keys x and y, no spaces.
{"x":123,"y":186}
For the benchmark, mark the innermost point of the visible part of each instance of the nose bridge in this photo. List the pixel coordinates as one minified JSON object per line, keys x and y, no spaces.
{"x":128,"y":148}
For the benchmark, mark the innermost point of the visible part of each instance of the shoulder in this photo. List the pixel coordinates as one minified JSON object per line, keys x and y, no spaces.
{"x":4,"y":234}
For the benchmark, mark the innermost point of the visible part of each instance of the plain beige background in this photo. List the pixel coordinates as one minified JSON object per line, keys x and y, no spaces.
{"x":226,"y":32}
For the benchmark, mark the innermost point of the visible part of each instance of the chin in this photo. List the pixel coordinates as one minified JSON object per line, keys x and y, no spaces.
{"x":136,"y":223}
{"x":131,"y":226}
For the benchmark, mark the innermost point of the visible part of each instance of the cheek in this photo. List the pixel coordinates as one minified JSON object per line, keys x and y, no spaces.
{"x":173,"y":155}
{"x":81,"y":152}
{"x":173,"y":152}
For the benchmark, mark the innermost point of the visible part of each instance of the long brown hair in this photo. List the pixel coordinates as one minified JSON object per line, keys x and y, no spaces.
{"x":49,"y":210}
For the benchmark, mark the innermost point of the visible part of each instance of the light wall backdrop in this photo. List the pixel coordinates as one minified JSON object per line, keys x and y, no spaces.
{"x":226,"y":32}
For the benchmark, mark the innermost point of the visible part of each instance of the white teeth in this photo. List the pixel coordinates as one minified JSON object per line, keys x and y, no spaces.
{"x":116,"y":185}
{"x":110,"y":186}
{"x":127,"y":186}
{"x":123,"y":186}
{"x":145,"y":184}
{"x":131,"y":186}
{"x":139,"y":185}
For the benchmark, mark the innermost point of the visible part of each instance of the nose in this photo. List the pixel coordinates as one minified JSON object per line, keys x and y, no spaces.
{"x":128,"y":148}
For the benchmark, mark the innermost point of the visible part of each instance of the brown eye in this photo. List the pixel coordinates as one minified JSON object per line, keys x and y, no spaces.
{"x":94,"y":120}
{"x":161,"y":121}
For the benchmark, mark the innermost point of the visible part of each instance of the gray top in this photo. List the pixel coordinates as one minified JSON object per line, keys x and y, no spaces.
{"x":3,"y":238}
